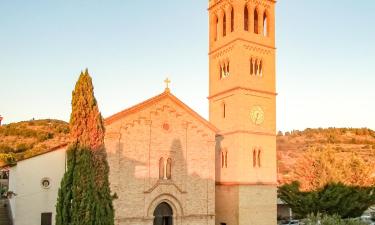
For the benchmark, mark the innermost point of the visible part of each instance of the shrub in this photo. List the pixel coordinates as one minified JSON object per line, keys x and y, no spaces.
{"x":330,"y":220}
{"x":332,"y":199}
{"x":5,"y":149}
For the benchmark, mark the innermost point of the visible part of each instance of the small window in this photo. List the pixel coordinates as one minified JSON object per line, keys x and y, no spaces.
{"x":222,"y":159}
{"x":224,"y":70}
{"x":224,"y":110}
{"x":161,"y":168}
{"x":226,"y":159}
{"x":224,"y":25}
{"x":223,"y":223}
{"x":46,"y":183}
{"x":259,"y":157}
{"x":216,"y":27}
{"x":265,"y":25}
{"x":254,"y":158}
{"x":251,"y":66}
{"x":256,"y":21}
{"x":232,"y":20}
{"x":169,"y":168}
{"x":246,"y":18}
{"x":46,"y":218}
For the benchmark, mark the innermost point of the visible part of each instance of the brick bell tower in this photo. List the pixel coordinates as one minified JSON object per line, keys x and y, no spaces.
{"x":242,"y":99}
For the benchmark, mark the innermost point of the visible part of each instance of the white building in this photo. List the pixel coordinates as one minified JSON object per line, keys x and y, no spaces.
{"x":35,"y":182}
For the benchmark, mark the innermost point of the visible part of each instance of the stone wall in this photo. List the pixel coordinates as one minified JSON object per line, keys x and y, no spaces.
{"x":135,"y":144}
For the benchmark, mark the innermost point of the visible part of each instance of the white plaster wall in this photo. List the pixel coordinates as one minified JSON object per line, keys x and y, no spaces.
{"x":32,"y":199}
{"x":13,"y":187}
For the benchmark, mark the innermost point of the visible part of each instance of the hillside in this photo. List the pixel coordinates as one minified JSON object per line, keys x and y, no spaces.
{"x":344,"y":143}
{"x":25,"y":139}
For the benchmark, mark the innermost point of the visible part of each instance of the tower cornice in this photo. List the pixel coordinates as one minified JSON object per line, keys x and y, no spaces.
{"x":242,"y":88}
{"x":241,"y":39}
{"x":217,"y":2}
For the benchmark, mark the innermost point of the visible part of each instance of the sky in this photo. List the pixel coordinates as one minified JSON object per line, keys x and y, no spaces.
{"x":325,"y":57}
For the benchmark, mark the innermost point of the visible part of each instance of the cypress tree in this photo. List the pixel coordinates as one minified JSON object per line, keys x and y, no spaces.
{"x":84,"y":195}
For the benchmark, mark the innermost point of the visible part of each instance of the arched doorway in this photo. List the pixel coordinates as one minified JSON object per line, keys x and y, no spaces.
{"x":163,"y":214}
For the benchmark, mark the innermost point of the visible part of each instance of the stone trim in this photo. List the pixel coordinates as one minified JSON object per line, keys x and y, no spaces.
{"x":248,"y":132}
{"x":247,"y":183}
{"x":241,"y":88}
{"x":162,"y":182}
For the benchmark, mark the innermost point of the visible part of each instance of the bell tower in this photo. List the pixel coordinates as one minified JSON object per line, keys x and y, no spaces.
{"x":242,"y":99}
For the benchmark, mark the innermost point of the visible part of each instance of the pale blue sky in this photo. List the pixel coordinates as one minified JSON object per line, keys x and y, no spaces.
{"x":325,"y":57}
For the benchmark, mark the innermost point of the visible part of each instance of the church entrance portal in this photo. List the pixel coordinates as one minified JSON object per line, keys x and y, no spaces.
{"x":163,"y":214}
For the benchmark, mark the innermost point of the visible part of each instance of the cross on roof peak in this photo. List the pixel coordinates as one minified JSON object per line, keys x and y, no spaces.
{"x":167,"y":82}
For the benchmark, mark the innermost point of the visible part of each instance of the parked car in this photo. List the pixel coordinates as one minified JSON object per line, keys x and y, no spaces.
{"x":290,"y":222}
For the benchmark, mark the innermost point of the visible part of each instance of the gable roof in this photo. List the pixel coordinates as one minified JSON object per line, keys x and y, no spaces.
{"x":58,"y":147}
{"x":153,"y":100}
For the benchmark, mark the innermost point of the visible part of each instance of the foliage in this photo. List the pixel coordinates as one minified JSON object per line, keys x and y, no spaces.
{"x":316,"y":168}
{"x":27,"y":138}
{"x":84,"y":195}
{"x":8,"y":158}
{"x":324,"y":219}
{"x":332,"y":199}
{"x":86,"y":126}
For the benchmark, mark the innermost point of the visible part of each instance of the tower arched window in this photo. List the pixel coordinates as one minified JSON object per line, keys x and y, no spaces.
{"x":256,"y":30}
{"x":232,"y":20}
{"x":161,"y":168}
{"x":246,"y":18}
{"x":256,"y":67}
{"x":169,"y":169}
{"x":224,"y":25}
{"x":261,"y":68}
{"x":224,"y":70}
{"x":265,"y":24}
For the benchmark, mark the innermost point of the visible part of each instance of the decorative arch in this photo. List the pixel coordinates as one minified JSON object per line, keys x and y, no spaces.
{"x":172,"y":201}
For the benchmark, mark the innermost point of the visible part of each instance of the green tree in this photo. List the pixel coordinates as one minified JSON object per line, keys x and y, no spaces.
{"x":84,"y":196}
{"x":332,"y":199}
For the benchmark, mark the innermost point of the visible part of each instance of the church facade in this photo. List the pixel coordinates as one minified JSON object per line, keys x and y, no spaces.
{"x":161,"y":156}
{"x":170,"y":166}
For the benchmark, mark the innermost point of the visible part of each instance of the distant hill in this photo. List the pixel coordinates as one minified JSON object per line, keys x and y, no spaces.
{"x":25,"y":139}
{"x":344,"y":142}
